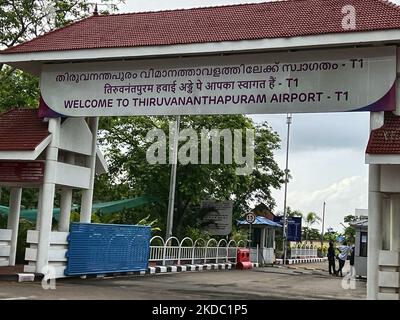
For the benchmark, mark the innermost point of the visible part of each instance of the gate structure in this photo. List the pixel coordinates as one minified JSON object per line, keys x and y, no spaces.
{"x":273,"y":57}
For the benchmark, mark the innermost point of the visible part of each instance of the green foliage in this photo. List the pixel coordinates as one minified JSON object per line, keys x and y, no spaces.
{"x":23,"y":20}
{"x":350,"y":218}
{"x":331,"y":236}
{"x":146,"y":222}
{"x":239,"y":235}
{"x":311,"y":234}
{"x":17,"y":89}
{"x":24,"y":226}
{"x":3,"y":221}
{"x":123,"y":217}
{"x":197,"y":233}
{"x":123,"y":140}
{"x":350,"y":235}
{"x":311,"y":218}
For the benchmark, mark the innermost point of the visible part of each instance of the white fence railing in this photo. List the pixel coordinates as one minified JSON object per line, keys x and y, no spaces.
{"x":188,"y":251}
{"x":5,"y":246}
{"x":304,"y":252}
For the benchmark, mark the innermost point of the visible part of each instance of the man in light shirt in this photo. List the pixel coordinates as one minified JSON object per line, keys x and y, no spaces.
{"x":345,"y":250}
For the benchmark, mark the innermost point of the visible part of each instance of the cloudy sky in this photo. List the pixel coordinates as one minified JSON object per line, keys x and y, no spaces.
{"x":327,"y":151}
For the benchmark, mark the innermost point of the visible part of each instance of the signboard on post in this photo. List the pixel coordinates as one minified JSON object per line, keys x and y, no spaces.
{"x":250,"y":217}
{"x":293,"y":227}
{"x":218,"y":220}
{"x":356,"y":79}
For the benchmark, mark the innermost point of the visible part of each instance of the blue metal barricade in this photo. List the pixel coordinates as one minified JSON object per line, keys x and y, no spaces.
{"x":107,"y":248}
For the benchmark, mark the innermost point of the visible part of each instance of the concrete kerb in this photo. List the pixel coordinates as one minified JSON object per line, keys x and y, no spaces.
{"x":156,"y":270}
{"x":300,"y":261}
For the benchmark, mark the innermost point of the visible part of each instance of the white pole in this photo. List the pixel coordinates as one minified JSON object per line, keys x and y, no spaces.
{"x":258,"y":248}
{"x":395,"y":223}
{"x":374,"y":231}
{"x":87,"y":195}
{"x":323,"y":226}
{"x":172,"y":184}
{"x":374,"y":218}
{"x":47,"y":199}
{"x":66,"y":201}
{"x":13,"y":221}
{"x":39,"y":208}
{"x":288,"y":121}
{"x":263,"y":238}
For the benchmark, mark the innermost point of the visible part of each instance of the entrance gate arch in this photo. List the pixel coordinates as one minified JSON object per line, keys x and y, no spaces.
{"x":328,"y":69}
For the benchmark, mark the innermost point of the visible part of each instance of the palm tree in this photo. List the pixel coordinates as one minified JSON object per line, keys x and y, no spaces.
{"x":310,"y":219}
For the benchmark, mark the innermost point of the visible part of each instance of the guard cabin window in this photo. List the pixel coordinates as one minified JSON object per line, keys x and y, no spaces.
{"x":363,"y":244}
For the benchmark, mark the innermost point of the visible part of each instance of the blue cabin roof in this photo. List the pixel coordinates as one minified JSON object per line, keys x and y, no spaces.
{"x":261,"y":221}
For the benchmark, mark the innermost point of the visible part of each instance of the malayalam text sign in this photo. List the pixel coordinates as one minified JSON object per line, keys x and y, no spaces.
{"x":334,"y":80}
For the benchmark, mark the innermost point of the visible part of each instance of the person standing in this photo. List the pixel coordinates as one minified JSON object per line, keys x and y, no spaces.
{"x":352,"y":268}
{"x":345,"y":250}
{"x":331,"y":258}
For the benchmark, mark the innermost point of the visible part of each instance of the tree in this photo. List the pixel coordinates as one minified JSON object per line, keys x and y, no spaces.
{"x":23,"y":20}
{"x":293,"y":213}
{"x":349,"y":231}
{"x":311,"y":218}
{"x":311,"y":233}
{"x":124,"y":144}
{"x":350,"y":218}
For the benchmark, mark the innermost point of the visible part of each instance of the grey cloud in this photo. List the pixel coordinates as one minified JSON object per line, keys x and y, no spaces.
{"x":322,"y":131}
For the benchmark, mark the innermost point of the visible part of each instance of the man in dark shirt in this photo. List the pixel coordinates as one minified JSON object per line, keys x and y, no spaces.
{"x":331,"y":258}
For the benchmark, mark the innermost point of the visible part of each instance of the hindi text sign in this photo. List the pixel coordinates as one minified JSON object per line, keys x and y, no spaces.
{"x":334,"y":80}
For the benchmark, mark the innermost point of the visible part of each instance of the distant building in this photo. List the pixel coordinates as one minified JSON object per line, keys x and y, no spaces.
{"x":263,"y":211}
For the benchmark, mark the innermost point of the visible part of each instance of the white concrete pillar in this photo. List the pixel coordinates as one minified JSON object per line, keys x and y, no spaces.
{"x":374,"y":216}
{"x":395,"y":223}
{"x":66,"y":201}
{"x":263,"y":238}
{"x":273,"y":239}
{"x":13,"y":221}
{"x":385,"y":218}
{"x":87,"y":195}
{"x":47,"y":197}
{"x":39,"y":208}
{"x":397,"y":112}
{"x":374,"y":231}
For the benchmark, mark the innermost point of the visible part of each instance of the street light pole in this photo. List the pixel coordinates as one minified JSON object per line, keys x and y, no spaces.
{"x":323,"y":225}
{"x":174,"y":163}
{"x":288,"y":122}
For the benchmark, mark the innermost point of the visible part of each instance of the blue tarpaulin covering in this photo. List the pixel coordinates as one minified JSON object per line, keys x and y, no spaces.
{"x":261,"y":221}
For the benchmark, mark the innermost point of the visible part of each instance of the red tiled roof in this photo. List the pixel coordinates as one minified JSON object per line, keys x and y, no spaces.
{"x":21,"y":130}
{"x":278,"y":19}
{"x":386,"y":139}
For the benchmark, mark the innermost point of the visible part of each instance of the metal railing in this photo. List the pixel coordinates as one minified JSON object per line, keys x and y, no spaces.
{"x":304,"y":252}
{"x":187,"y":251}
